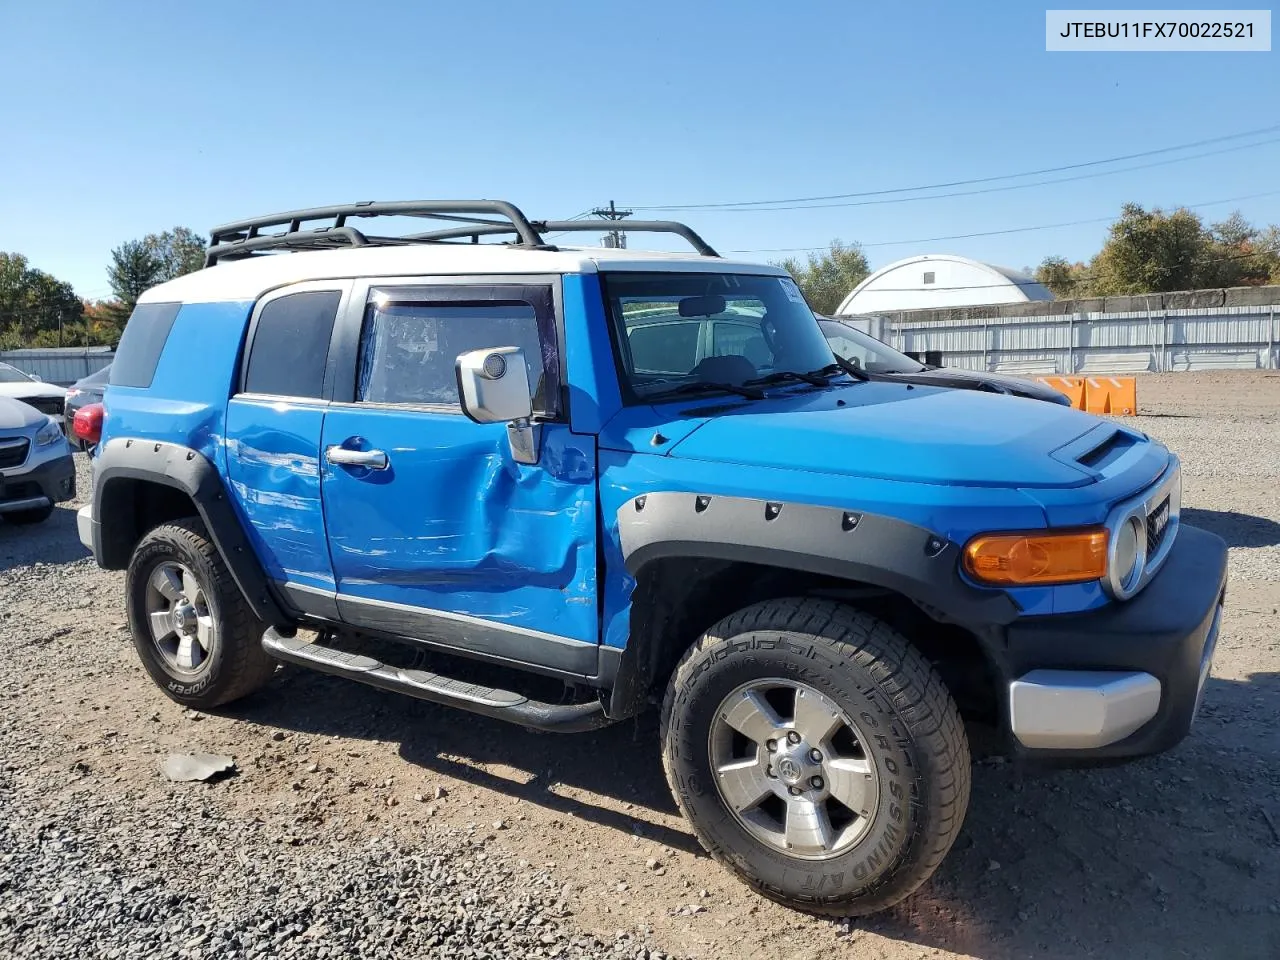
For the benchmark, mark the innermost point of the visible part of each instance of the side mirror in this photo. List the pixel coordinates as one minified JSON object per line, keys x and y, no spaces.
{"x":493,"y":385}
{"x":36,"y":377}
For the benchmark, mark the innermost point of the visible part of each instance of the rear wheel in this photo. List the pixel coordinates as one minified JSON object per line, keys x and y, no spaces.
{"x":817,"y":755}
{"x":191,"y":626}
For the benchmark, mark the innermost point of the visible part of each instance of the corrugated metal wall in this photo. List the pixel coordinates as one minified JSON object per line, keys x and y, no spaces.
{"x":1197,"y":339}
{"x":60,"y":365}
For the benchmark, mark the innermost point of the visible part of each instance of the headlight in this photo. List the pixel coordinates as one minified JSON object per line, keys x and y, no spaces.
{"x":51,"y":432}
{"x":1038,"y":559}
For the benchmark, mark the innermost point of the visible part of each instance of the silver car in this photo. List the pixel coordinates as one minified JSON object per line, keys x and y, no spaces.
{"x":36,"y":469}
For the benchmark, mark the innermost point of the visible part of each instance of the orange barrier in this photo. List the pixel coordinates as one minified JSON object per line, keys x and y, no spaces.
{"x":1117,"y":396}
{"x":1073,"y":387}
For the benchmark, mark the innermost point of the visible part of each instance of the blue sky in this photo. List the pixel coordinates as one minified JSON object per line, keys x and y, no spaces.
{"x":122,"y":119}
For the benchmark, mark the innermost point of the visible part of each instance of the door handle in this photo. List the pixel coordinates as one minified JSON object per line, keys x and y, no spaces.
{"x":372,"y":459}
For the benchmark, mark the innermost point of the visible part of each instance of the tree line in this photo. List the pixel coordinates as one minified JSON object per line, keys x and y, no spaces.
{"x":39,"y":310}
{"x":1146,"y":251}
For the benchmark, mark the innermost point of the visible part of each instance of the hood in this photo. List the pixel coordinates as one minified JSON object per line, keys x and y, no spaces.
{"x":16,"y":415}
{"x":978,"y":380}
{"x":31,"y":388}
{"x":898,"y":432}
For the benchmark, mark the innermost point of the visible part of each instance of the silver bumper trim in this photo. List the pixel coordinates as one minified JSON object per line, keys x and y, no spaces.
{"x":30,"y":503}
{"x":84,"y":525}
{"x":1080,"y":709}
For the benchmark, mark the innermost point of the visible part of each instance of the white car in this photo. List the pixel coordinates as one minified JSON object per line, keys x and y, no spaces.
{"x":45,"y":397}
{"x":36,"y":469}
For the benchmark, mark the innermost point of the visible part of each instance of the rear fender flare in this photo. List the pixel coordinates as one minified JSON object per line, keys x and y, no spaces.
{"x":190,"y":471}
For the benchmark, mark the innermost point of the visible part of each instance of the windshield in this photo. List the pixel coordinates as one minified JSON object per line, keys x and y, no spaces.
{"x":10,"y":374}
{"x":866,"y":351}
{"x":680,"y":330}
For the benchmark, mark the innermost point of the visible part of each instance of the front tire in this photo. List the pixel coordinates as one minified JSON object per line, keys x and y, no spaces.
{"x":817,"y":755}
{"x":191,"y":626}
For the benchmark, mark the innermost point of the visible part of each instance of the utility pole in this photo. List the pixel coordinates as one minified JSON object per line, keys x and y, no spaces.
{"x":614,"y":238}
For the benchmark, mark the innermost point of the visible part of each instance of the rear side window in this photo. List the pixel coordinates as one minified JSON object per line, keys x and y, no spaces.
{"x":408,"y":350}
{"x":141,"y":344}
{"x":291,"y":345}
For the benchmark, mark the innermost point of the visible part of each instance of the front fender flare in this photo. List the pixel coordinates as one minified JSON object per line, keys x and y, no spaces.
{"x":851,"y":544}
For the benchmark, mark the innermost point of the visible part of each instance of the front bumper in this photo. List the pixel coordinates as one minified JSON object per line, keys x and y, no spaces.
{"x":49,"y":479}
{"x":1127,"y":679}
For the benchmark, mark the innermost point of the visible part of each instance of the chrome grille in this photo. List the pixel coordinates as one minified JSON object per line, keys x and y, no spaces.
{"x":1157,"y":526}
{"x":13,"y":453}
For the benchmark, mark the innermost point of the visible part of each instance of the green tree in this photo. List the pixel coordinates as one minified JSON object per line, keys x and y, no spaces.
{"x":1064,"y":278}
{"x":827,"y":278}
{"x":179,"y":251}
{"x":134,"y":269}
{"x":1152,"y":252}
{"x":33,"y":303}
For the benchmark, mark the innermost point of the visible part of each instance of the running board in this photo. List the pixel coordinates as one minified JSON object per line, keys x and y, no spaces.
{"x":487,"y":701}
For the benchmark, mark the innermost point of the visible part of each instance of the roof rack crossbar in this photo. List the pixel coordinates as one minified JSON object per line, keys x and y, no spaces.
{"x":578,"y":226}
{"x":318,"y":239}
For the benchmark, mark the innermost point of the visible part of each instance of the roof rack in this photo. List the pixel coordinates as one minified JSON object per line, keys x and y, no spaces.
{"x":245,"y":238}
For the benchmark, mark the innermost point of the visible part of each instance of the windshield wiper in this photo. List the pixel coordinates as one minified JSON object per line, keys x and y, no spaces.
{"x":842,"y":365}
{"x":814,"y":377}
{"x":703,"y":386}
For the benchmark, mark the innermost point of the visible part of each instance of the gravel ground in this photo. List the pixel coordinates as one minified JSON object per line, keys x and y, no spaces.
{"x":360,"y":823}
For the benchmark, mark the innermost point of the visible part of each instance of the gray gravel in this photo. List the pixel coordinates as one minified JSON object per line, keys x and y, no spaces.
{"x":93,"y":865}
{"x":362,"y":824}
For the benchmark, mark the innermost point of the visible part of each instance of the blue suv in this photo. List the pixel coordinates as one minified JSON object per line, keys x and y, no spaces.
{"x":645,"y":475}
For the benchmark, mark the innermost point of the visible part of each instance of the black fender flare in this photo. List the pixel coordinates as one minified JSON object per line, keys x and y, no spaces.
{"x":851,"y":544}
{"x":866,"y":548}
{"x":191,"y":472}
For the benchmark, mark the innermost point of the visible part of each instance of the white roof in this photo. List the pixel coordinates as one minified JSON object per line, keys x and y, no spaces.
{"x":248,"y":279}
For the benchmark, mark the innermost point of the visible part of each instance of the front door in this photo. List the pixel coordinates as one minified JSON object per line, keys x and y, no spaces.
{"x":435,"y":531}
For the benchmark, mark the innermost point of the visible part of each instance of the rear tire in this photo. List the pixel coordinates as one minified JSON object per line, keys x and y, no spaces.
{"x":191,"y":626}
{"x":840,"y":712}
{"x":24,"y":518}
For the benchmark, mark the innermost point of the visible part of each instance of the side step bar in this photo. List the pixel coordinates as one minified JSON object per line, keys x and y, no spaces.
{"x":487,"y":701}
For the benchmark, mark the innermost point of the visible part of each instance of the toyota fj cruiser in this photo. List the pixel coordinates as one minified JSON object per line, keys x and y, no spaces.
{"x":646,"y":475}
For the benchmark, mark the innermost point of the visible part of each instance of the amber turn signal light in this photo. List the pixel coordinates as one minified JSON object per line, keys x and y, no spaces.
{"x":1037,"y":559}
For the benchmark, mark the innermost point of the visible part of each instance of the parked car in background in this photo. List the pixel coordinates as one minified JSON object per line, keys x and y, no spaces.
{"x":45,"y":397}
{"x":882,"y":362}
{"x":82,"y":393}
{"x":36,"y":470}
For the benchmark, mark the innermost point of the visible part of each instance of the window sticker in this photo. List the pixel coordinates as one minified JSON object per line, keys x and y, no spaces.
{"x":791,"y":290}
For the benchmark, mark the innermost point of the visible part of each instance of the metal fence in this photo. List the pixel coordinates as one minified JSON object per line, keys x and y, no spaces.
{"x":60,"y":365}
{"x":1203,"y":338}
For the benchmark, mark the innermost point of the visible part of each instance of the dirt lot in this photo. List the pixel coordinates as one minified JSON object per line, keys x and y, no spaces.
{"x":361,"y":821}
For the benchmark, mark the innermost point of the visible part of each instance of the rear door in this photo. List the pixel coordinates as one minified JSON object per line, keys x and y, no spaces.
{"x":274,"y":423}
{"x":443,"y":536}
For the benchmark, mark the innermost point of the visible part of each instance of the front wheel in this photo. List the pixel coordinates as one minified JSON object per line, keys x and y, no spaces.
{"x":817,"y":755}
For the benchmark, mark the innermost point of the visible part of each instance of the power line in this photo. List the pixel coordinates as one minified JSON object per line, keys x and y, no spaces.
{"x":961,"y":183}
{"x":1001,"y":189}
{"x":995,"y":233}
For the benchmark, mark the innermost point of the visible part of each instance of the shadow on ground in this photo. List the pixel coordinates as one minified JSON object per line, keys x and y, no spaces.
{"x":1238,"y":529}
{"x":53,"y":541}
{"x":1176,"y":855}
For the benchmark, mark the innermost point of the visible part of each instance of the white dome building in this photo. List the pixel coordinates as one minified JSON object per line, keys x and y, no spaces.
{"x":940,"y":280}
